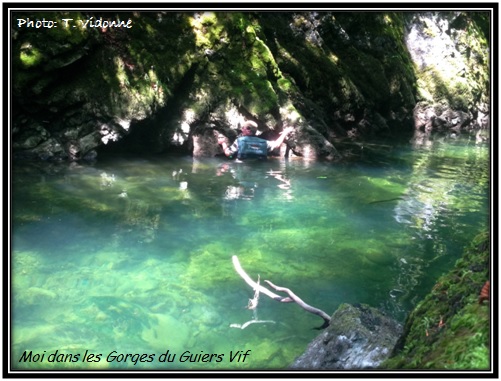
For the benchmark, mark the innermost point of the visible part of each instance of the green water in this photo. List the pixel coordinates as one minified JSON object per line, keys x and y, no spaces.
{"x":133,"y":256}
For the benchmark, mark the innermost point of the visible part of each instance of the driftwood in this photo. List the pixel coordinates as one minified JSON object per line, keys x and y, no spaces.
{"x":252,"y":305}
{"x":250,"y":282}
{"x":303,"y":305}
{"x":291,"y":298}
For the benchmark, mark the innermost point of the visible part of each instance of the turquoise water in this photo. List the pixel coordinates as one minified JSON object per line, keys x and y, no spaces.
{"x":133,"y":255}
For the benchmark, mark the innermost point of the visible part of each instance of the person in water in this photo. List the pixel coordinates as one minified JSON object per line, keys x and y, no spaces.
{"x":249,"y":146}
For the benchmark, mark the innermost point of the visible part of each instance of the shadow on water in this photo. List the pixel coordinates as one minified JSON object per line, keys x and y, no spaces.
{"x":134,"y":256}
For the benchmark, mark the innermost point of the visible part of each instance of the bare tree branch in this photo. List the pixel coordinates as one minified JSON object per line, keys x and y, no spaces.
{"x":256,"y":286}
{"x":288,"y":299}
{"x":303,"y":305}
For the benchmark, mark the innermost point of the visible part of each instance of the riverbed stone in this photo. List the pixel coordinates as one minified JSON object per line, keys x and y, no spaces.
{"x":358,"y":337}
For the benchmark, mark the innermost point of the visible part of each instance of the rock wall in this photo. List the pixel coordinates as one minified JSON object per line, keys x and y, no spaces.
{"x":450,"y":52}
{"x":170,"y":81}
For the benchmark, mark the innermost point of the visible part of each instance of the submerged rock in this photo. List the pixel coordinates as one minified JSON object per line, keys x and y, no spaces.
{"x":359,"y":337}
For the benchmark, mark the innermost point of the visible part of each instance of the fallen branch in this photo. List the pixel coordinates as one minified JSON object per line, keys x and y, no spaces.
{"x":303,"y":305}
{"x":292,"y":298}
{"x":254,"y":285}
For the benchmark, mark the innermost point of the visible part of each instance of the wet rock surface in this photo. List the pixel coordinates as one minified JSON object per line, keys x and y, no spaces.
{"x":359,"y":337}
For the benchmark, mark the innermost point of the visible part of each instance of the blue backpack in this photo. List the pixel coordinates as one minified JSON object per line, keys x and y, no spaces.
{"x":252,"y":147}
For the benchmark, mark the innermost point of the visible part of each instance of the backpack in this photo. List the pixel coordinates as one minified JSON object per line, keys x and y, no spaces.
{"x":252,"y":147}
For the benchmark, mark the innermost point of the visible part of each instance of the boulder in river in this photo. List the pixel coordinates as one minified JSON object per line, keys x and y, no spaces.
{"x":358,"y":337}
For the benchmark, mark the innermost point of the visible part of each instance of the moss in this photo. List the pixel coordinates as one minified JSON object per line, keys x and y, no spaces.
{"x":208,"y":29}
{"x":440,"y":87}
{"x":31,"y":57}
{"x":458,"y":81}
{"x":449,"y":329}
{"x":71,"y":31}
{"x":147,"y":63}
{"x":284,"y":84}
{"x":259,"y":63}
{"x":238,"y":65}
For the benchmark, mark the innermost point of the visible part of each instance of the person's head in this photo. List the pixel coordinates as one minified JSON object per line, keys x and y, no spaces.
{"x":249,"y":128}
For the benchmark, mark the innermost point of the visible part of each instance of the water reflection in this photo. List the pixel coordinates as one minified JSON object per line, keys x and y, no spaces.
{"x":248,"y":179}
{"x":435,"y":205}
{"x":135,"y":255}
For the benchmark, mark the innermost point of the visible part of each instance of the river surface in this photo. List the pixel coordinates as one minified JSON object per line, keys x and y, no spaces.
{"x":134,"y":255}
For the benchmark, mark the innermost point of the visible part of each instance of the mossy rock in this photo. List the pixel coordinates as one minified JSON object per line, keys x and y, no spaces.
{"x":449,"y":329}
